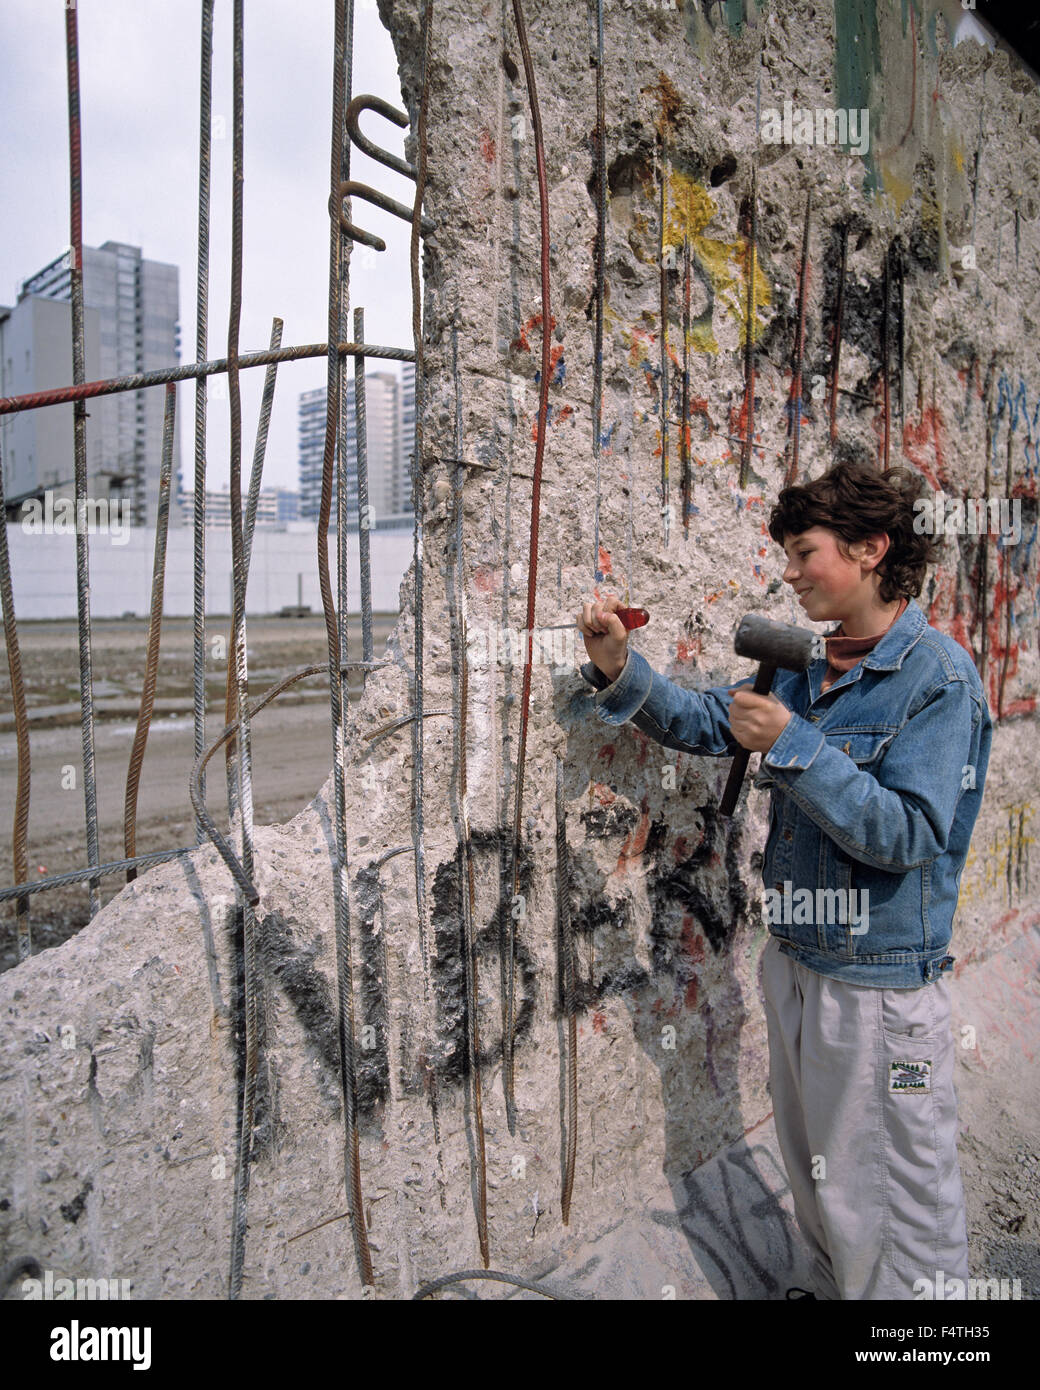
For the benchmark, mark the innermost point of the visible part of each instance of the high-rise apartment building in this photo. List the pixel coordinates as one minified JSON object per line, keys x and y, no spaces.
{"x":407,"y":433}
{"x":311,"y":416}
{"x":390,"y":425}
{"x":275,"y":506}
{"x":131,"y":325}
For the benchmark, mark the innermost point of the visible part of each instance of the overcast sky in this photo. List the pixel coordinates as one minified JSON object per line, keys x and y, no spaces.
{"x":139,"y":105}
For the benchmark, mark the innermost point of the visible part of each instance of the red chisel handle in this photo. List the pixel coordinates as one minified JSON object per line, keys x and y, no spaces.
{"x":632,"y":617}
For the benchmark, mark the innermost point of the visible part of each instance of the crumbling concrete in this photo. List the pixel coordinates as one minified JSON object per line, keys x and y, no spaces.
{"x":121,"y":1063}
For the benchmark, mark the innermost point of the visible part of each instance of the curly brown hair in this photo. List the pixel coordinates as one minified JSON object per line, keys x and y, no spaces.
{"x":856,"y":501}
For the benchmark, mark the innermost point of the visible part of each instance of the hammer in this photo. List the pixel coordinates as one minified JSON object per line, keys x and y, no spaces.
{"x":773,"y":645}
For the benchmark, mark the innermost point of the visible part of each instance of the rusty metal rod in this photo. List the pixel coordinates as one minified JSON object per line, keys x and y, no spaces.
{"x":532,"y":568}
{"x":361,"y":454}
{"x":23,"y":926}
{"x":747,"y":443}
{"x":369,"y":147}
{"x":350,"y":188}
{"x":566,"y":947}
{"x":251,"y":1011}
{"x":663,"y":277}
{"x":799,"y":349}
{"x":201,"y":348}
{"x":339,"y":158}
{"x":62,"y":395}
{"x":839,"y":317}
{"x":419,"y":504}
{"x":144,"y":716}
{"x":198,"y":770}
{"x":885,"y":365}
{"x":117,"y":866}
{"x":684,"y":407}
{"x":601,"y":254}
{"x":255,"y":479}
{"x":86,"y":676}
{"x":467,"y":883}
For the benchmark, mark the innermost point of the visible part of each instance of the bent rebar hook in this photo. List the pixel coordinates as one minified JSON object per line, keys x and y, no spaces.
{"x":352,"y":188}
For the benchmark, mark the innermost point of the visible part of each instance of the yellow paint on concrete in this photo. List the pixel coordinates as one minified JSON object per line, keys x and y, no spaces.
{"x":689,"y":209}
{"x":897,"y":189}
{"x":985,"y":869}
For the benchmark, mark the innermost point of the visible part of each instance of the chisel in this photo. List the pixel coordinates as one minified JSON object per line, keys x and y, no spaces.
{"x":631,"y":618}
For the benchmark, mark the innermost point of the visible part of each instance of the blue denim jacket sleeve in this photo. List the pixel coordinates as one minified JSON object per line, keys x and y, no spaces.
{"x":691,"y":721}
{"x":896,"y":824}
{"x":906,"y":820}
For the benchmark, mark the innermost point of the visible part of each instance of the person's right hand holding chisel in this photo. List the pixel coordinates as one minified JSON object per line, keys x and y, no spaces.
{"x":604,"y":625}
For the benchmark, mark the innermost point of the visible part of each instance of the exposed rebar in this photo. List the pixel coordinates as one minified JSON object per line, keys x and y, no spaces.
{"x":251,"y":1012}
{"x":663,"y":276}
{"x":144,"y":716}
{"x":795,"y":418}
{"x":467,"y":884}
{"x":532,"y":569}
{"x":839,"y":318}
{"x":86,"y":676}
{"x":568,"y":972}
{"x":350,"y":188}
{"x":684,"y":426}
{"x":201,"y":348}
{"x":117,"y":866}
{"x":369,"y":147}
{"x":197,"y":773}
{"x":494,"y":1274}
{"x":747,"y":443}
{"x":62,"y":395}
{"x":23,"y":926}
{"x":364,"y":518}
{"x":885,"y":365}
{"x":601,"y":252}
{"x":252,"y":502}
{"x":419,"y":505}
{"x":338,"y":272}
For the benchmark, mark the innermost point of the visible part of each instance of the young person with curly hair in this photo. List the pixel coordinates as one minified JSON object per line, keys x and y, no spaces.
{"x":875,"y":758}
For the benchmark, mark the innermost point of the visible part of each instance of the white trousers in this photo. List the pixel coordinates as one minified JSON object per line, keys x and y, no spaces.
{"x":866,"y":1119}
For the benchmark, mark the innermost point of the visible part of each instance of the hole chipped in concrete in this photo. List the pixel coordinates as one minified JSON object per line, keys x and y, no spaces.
{"x":725,"y":169}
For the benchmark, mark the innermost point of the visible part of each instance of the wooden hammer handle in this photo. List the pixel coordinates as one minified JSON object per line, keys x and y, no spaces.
{"x":762,"y":686}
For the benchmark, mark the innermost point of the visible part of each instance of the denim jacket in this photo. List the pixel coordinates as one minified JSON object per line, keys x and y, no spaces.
{"x":875,"y":787}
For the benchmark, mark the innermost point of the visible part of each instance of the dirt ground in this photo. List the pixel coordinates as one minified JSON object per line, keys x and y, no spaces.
{"x":292,"y":745}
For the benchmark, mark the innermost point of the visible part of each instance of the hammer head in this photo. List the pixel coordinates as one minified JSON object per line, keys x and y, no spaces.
{"x":775,"y":644}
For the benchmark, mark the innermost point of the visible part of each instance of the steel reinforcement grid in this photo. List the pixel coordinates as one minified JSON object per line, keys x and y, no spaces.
{"x":235,"y":735}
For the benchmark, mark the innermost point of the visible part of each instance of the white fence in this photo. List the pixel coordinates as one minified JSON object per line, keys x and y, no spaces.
{"x":43,"y":570}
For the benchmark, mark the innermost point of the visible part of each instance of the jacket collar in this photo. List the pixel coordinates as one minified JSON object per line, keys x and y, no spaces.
{"x":904,"y":633}
{"x":888,"y":655}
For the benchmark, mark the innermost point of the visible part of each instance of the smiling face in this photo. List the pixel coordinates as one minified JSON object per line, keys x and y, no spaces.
{"x":830,"y":587}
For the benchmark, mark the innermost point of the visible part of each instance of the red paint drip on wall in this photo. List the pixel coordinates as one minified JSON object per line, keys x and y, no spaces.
{"x":603,"y":794}
{"x":924,"y":443}
{"x":487,"y":146}
{"x":487,"y":580}
{"x":692,"y":941}
{"x":634,"y":845}
{"x":522,"y":343}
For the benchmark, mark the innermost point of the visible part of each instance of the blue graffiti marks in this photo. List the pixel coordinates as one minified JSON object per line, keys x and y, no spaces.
{"x":1013,"y":405}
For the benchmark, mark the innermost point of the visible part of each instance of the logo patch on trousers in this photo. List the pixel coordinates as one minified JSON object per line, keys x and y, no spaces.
{"x":909,"y":1077}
